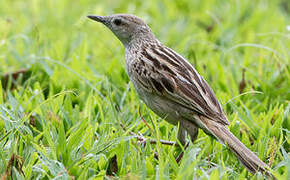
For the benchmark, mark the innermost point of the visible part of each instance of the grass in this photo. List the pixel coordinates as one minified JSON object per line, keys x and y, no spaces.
{"x":62,"y":117}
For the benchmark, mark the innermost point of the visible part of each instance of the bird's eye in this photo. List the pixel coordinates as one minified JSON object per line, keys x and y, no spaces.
{"x":117,"y":22}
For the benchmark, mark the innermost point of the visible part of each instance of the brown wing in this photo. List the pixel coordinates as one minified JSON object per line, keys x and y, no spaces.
{"x":170,"y":75}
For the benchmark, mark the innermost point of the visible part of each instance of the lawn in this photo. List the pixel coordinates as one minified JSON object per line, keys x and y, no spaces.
{"x":68,"y":110}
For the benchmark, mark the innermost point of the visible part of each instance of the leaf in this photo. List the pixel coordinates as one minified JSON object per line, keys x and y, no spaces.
{"x":1,"y":94}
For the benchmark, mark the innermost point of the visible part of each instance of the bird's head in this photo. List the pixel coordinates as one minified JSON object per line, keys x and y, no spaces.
{"x":125,"y":26}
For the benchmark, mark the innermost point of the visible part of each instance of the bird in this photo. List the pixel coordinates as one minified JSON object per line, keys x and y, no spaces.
{"x":172,"y":88}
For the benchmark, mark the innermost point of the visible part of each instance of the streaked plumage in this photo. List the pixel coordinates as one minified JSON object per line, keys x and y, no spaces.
{"x":172,"y":88}
{"x":175,"y":79}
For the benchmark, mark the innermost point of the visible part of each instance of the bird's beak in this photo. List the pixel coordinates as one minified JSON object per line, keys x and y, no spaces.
{"x":97,"y":18}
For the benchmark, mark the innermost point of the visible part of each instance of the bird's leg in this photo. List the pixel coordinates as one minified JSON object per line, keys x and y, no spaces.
{"x":192,"y":130}
{"x":181,"y":135}
{"x":193,"y":133}
{"x":182,"y":139}
{"x":180,"y":155}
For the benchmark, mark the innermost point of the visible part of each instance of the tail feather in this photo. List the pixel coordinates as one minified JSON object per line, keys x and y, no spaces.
{"x":246,"y":156}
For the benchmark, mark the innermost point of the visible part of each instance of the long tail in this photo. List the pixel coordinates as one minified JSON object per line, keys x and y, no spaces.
{"x":246,"y":156}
